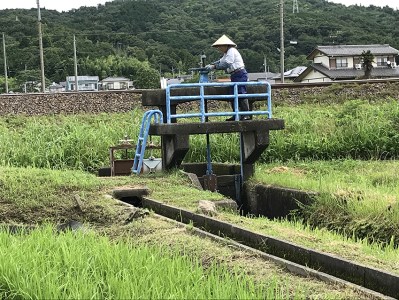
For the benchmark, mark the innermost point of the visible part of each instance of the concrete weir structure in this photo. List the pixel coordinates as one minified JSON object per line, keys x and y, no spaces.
{"x":175,"y":136}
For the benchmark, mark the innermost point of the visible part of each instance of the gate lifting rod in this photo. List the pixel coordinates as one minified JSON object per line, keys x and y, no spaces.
{"x":210,"y":179}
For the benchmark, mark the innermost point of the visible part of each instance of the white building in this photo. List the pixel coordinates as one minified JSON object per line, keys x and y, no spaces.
{"x":85,"y":83}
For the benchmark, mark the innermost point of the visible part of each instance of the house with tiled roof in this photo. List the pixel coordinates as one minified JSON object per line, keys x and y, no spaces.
{"x":344,"y":62}
{"x":262,"y":76}
{"x":290,"y":75}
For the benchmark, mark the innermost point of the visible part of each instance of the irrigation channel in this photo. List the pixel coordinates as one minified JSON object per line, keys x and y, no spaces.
{"x":254,"y":140}
{"x":296,"y":259}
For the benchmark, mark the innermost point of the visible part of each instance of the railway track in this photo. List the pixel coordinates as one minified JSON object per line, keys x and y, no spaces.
{"x":294,"y":258}
{"x":319,"y":84}
{"x":278,"y":86}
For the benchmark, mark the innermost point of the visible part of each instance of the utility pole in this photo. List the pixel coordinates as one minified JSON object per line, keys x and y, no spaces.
{"x":5,"y":63}
{"x":295,"y":7}
{"x":75,"y":64}
{"x":265,"y":65}
{"x":39,"y":26}
{"x":282,"y":40}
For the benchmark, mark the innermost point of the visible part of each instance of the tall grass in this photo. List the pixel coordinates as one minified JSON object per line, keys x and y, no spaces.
{"x":384,"y":256}
{"x":75,"y":265}
{"x":358,"y":198}
{"x":355,"y":129}
{"x":63,"y":142}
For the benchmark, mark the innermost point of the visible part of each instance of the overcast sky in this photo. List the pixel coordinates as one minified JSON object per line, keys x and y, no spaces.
{"x":64,"y":5}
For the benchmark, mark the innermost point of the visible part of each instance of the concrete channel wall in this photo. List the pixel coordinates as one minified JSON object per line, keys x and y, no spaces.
{"x":368,"y":277}
{"x":256,"y":199}
{"x":272,"y":201}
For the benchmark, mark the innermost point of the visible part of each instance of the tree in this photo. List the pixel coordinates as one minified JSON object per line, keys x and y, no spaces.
{"x":142,"y":74}
{"x":367,"y":58}
{"x":173,"y":34}
{"x":12,"y":84}
{"x":30,"y":81}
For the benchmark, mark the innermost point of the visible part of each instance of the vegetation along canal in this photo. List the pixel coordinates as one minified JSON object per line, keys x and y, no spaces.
{"x":351,"y":219}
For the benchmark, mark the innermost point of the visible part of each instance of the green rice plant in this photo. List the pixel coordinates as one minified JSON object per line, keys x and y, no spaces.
{"x":356,"y":198}
{"x":76,"y":265}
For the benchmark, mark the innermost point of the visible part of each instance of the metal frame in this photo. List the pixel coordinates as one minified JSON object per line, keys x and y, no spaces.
{"x":120,"y":166}
{"x":203,"y":114}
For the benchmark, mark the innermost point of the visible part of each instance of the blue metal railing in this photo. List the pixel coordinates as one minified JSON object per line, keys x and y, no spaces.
{"x":203,"y":113}
{"x":143,"y":136}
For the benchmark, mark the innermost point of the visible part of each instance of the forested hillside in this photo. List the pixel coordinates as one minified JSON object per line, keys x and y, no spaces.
{"x":132,"y":37}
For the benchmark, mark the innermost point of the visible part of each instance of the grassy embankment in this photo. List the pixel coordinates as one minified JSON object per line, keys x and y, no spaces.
{"x":145,"y":257}
{"x":346,"y":153}
{"x":362,"y":205}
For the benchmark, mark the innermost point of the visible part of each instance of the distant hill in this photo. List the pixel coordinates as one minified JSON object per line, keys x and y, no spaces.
{"x":170,"y":35}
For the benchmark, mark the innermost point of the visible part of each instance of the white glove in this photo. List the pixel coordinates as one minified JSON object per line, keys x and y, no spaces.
{"x":210,"y":67}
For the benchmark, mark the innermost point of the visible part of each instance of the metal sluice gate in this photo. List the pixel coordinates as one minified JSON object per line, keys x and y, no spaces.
{"x":254,"y":133}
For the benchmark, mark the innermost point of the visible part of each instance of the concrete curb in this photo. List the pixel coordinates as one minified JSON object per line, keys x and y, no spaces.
{"x":367,"y":277}
{"x":291,"y":267}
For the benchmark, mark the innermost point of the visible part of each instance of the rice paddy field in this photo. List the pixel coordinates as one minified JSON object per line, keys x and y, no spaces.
{"x":89,"y":266}
{"x":344,"y":152}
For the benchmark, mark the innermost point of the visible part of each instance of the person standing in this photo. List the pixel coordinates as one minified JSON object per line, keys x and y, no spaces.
{"x":233,"y":64}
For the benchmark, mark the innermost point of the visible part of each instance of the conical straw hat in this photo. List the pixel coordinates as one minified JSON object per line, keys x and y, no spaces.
{"x":224,"y":41}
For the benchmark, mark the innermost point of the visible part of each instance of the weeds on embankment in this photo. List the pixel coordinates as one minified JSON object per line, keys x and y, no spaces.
{"x":356,"y":198}
{"x":355,"y":130}
{"x":36,"y":196}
